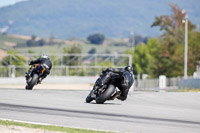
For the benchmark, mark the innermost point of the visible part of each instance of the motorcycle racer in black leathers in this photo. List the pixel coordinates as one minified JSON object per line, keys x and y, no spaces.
{"x":126,"y":80}
{"x":45,"y":62}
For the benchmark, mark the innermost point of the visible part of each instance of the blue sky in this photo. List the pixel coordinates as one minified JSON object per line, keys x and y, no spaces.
{"x":8,"y":2}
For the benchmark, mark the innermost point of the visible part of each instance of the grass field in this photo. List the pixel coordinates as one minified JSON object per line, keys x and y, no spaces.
{"x":85,"y":49}
{"x":48,"y":127}
{"x":185,"y":90}
{"x":8,"y":42}
{"x":6,"y":38}
{"x":20,"y":45}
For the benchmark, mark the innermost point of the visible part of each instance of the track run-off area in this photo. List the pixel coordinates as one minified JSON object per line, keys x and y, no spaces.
{"x":142,"y":112}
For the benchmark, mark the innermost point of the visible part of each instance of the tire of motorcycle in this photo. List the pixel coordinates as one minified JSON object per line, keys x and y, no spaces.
{"x":88,"y":99}
{"x":33,"y":81}
{"x":106,"y":95}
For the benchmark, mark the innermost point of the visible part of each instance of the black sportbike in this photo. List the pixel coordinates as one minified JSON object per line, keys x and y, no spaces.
{"x":108,"y":91}
{"x":33,"y":75}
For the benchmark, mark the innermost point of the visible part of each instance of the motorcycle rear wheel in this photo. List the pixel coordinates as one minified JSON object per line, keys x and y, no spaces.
{"x":106,"y":94}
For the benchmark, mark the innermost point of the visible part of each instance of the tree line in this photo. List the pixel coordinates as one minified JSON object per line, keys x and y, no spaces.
{"x":165,"y":55}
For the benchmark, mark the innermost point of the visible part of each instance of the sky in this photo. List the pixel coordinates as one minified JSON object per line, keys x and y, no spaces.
{"x":8,"y":2}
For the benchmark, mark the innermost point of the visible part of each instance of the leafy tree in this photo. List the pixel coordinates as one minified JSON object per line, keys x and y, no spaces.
{"x":141,"y":58}
{"x":33,"y":37}
{"x":96,"y":38}
{"x":41,"y":42}
{"x":55,"y":60}
{"x":104,"y":63}
{"x":4,"y":33}
{"x":30,"y":43}
{"x":170,"y":59}
{"x":30,"y":51}
{"x":73,"y":59}
{"x":51,"y":40}
{"x":33,"y":42}
{"x":119,"y":43}
{"x":138,"y":39}
{"x":92,"y":51}
{"x":170,"y":23}
{"x":13,"y":59}
{"x":193,"y":51}
{"x":154,"y":66}
{"x":165,"y":55}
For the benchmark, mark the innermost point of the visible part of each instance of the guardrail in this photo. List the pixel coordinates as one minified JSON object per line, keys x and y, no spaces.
{"x":153,"y":84}
{"x":18,"y":71}
{"x":15,"y":65}
{"x":139,"y":85}
{"x":76,"y":59}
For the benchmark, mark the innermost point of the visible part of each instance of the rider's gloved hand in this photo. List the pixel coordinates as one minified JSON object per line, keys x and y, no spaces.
{"x":104,"y":71}
{"x":107,"y":70}
{"x":47,"y":71}
{"x":41,"y":74}
{"x":99,"y":83}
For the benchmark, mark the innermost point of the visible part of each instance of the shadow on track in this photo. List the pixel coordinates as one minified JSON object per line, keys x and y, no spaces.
{"x":104,"y":103}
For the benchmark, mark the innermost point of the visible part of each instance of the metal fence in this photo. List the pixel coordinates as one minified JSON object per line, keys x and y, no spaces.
{"x":15,"y":65}
{"x":153,"y":84}
{"x":81,"y":65}
{"x":18,"y":71}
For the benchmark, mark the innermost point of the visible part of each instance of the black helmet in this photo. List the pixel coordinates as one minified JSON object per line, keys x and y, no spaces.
{"x":128,"y":68}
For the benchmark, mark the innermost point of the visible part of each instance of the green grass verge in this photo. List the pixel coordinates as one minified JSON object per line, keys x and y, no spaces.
{"x":48,"y":127}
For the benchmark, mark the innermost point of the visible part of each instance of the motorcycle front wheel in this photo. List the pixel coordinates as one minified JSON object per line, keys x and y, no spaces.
{"x":33,"y":81}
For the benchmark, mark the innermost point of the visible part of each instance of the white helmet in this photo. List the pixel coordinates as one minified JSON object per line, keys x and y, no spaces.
{"x":45,"y":56}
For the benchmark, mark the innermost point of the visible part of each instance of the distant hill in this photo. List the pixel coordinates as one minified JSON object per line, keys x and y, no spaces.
{"x":80,"y":18}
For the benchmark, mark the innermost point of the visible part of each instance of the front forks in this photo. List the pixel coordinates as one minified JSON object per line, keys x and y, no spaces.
{"x":96,"y":91}
{"x":92,"y":94}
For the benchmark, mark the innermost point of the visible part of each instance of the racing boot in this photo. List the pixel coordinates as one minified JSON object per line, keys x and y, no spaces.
{"x":40,"y":80}
{"x":27,"y":75}
{"x":116,"y":95}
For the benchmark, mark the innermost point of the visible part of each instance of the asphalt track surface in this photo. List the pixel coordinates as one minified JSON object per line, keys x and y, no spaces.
{"x":142,"y":112}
